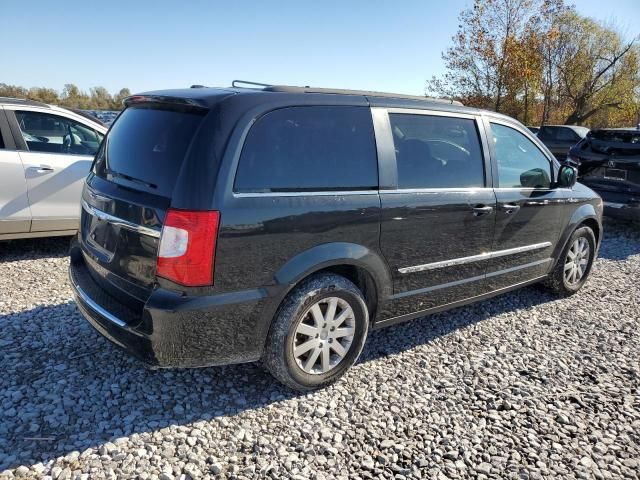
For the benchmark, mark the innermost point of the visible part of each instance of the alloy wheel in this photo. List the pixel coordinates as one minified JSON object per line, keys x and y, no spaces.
{"x":324,"y":335}
{"x":577,"y":260}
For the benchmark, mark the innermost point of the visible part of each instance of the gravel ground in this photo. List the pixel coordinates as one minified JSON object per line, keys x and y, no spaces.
{"x":521,"y":386}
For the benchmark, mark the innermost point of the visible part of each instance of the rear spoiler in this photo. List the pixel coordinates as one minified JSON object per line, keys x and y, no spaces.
{"x":172,"y":103}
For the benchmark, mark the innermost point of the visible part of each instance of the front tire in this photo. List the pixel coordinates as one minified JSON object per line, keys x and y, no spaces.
{"x":318,"y":332}
{"x":575,"y":262}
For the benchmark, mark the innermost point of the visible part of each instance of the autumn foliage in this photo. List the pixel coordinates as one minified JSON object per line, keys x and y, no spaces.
{"x":71,"y":96}
{"x":542,"y":62}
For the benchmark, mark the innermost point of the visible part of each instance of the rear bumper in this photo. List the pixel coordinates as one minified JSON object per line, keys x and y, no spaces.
{"x":617,"y":204}
{"x":625,"y":211}
{"x":175,"y":331}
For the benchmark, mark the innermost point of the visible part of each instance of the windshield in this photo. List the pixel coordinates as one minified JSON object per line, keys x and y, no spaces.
{"x":145,"y":148}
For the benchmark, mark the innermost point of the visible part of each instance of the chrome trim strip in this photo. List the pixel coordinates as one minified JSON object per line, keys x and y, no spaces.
{"x":152,"y":232}
{"x":305,"y":194}
{"x":97,"y":308}
{"x":474,"y":258}
{"x":434,"y":112}
{"x":440,"y":190}
{"x":455,"y":283}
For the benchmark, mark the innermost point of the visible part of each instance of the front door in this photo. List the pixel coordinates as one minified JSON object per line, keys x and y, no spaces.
{"x":437,"y":225}
{"x":57,"y":155}
{"x":529,"y":213}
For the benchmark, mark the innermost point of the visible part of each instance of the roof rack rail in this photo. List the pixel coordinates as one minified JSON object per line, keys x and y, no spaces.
{"x":239,"y":83}
{"x":367,"y":93}
{"x":23,"y":101}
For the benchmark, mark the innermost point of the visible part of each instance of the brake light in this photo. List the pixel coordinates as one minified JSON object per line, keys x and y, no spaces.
{"x":186,"y":254}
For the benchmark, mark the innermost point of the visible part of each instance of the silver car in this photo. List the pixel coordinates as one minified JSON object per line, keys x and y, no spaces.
{"x":45,"y":154}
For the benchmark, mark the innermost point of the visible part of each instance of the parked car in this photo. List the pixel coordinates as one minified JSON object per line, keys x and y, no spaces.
{"x":45,"y":153}
{"x":284,"y":223}
{"x":560,"y":138}
{"x":608,"y":161}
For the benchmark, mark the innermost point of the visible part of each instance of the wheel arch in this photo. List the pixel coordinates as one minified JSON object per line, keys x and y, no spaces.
{"x":585,"y":215}
{"x":361,"y":265}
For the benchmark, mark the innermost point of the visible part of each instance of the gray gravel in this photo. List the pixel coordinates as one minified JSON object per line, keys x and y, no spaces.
{"x":521,"y":386}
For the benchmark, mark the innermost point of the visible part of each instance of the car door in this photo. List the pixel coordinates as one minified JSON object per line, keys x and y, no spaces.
{"x":15,"y":215}
{"x":438,"y":207}
{"x":57,"y":151}
{"x":529,"y":210}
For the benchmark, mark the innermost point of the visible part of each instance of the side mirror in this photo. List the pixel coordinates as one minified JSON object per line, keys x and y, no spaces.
{"x":567,"y":176}
{"x":535,"y":178}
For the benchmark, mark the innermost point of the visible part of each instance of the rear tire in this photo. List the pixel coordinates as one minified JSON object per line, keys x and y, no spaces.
{"x":574,"y":265}
{"x":318,"y":332}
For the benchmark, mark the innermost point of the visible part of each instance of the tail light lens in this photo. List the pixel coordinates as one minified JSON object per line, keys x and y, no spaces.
{"x":186,"y":254}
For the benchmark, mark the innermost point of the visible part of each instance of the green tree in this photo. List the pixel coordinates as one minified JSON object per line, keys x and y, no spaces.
{"x":119,"y":97}
{"x":485,"y":64}
{"x":597,"y":69}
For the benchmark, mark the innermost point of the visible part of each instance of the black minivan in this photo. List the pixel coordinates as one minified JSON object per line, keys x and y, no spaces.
{"x":283,"y":223}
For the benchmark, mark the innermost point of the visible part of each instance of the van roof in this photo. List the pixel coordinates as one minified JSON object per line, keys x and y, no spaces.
{"x":201,"y":96}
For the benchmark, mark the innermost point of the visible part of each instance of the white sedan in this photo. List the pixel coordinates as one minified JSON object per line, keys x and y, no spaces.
{"x":45,"y":154}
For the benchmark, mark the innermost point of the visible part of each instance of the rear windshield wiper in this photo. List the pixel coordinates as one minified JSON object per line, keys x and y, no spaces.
{"x":131,"y":179}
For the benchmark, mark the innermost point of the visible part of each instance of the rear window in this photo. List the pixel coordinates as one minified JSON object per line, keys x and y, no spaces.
{"x":617,"y":142}
{"x":145,"y":148}
{"x":309,"y":149}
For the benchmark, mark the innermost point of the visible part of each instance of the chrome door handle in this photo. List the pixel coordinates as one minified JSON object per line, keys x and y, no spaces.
{"x":509,"y":207}
{"x":479,"y":210}
{"x":42,"y":168}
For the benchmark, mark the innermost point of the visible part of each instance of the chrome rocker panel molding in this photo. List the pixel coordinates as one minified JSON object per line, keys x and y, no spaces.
{"x":474,"y":258}
{"x":120,"y":222}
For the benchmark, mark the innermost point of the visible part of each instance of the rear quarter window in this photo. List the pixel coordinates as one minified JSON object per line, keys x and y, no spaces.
{"x":313,"y":148}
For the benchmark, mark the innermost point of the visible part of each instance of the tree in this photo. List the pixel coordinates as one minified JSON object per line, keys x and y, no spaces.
{"x":495,"y":54}
{"x":540,"y":61}
{"x":71,"y":96}
{"x":119,"y":98}
{"x":597,"y":70}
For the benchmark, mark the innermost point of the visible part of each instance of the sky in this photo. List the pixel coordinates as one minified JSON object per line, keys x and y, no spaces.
{"x":145,"y":45}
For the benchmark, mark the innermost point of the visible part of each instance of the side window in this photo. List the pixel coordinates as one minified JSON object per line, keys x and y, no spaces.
{"x":520,"y":161}
{"x":547,"y":133}
{"x":567,"y":135}
{"x":437,"y":152}
{"x":44,"y":132}
{"x":307,"y":149}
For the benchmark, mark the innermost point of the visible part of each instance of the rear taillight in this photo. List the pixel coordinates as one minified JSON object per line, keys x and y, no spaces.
{"x":186,"y":254}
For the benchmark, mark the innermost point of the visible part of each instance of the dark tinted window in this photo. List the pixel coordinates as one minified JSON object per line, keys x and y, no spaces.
{"x":48,"y":133}
{"x":520,"y":161}
{"x":567,"y":135}
{"x":145,"y":148}
{"x":547,"y":133}
{"x":614,"y":142}
{"x":437,"y":152}
{"x":309,"y":148}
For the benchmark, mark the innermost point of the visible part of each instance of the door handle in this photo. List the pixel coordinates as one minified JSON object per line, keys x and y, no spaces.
{"x":42,"y":168}
{"x":509,"y":207}
{"x":479,"y":210}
